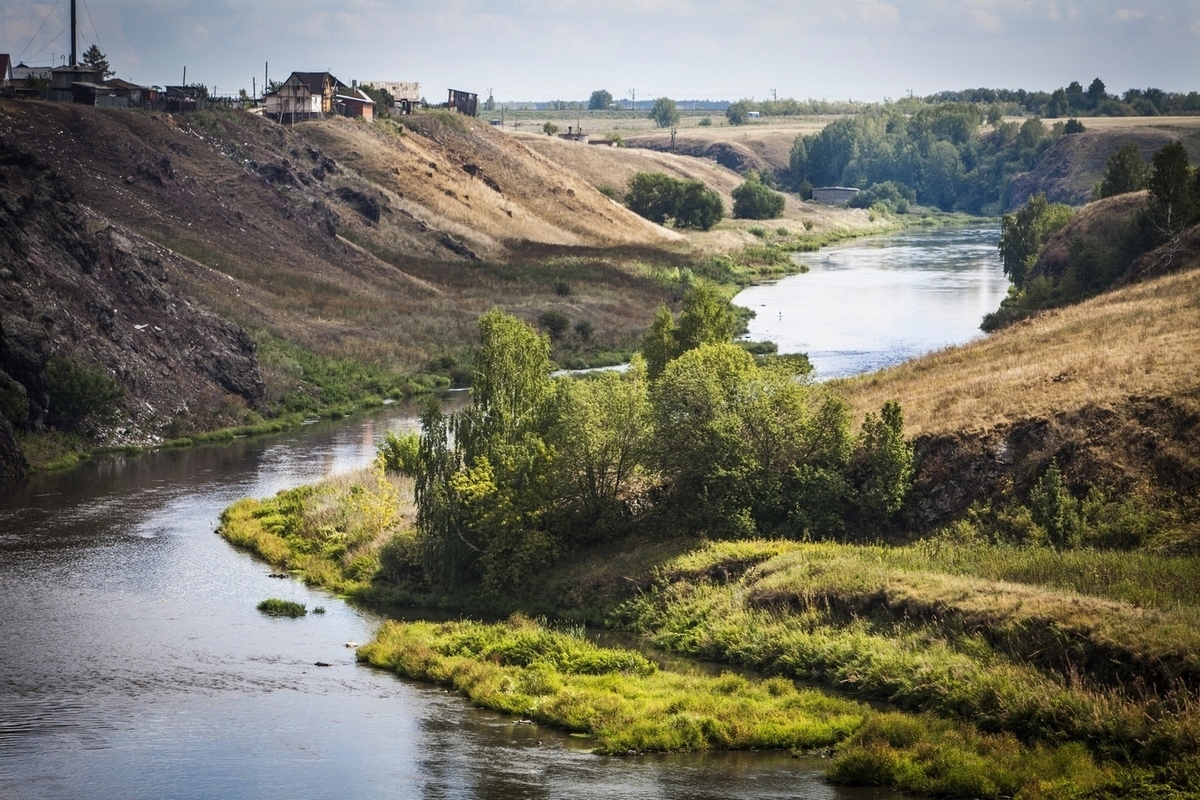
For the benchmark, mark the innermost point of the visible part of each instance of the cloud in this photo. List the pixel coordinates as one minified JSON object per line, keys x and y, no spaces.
{"x":877,"y":12}
{"x":1127,"y":14}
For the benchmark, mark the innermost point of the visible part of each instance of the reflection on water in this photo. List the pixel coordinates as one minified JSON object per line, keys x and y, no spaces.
{"x":874,"y":303}
{"x":133,"y":663}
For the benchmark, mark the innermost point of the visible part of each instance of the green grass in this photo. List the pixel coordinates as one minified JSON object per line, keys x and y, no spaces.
{"x":846,"y":617}
{"x":615,"y":696}
{"x":275,"y":607}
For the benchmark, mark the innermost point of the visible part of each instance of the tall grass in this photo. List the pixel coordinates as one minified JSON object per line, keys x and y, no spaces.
{"x":826,"y":613}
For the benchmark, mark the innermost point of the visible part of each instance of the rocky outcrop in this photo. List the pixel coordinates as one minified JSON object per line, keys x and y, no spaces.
{"x":75,"y":286}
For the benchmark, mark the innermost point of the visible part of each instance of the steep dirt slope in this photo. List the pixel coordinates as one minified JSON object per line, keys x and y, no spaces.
{"x":75,"y":286}
{"x":1074,"y":164}
{"x":1110,"y":388}
{"x":484,"y":188}
{"x":352,"y":252}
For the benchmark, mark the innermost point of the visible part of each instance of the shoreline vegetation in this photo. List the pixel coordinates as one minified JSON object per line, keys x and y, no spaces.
{"x":1042,"y":645}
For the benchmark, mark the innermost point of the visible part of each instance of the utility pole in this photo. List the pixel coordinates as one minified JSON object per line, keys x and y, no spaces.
{"x":266,"y":76}
{"x":185,"y":76}
{"x":775,"y":95}
{"x":74,"y":35}
{"x":633,"y":101}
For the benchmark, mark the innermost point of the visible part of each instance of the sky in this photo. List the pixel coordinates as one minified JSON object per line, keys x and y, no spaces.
{"x":685,"y":49}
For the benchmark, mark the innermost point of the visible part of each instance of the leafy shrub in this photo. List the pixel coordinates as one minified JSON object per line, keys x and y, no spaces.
{"x":705,"y":122}
{"x":401,"y":453}
{"x":659,"y":197}
{"x":550,"y":129}
{"x":759,"y":231}
{"x":607,"y":191}
{"x":1073,"y":126}
{"x":753,"y":200}
{"x":556,"y":323}
{"x":81,"y":397}
{"x":895,"y":196}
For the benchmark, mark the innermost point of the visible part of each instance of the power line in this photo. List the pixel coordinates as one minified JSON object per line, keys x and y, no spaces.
{"x":88,"y":11}
{"x":21,"y":58}
{"x":49,"y":43}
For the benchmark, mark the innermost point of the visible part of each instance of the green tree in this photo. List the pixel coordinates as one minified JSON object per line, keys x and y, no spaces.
{"x":549,"y":128}
{"x":600,"y":100}
{"x":1054,"y":508}
{"x":738,"y":112}
{"x":600,"y":446}
{"x":94,"y":58}
{"x":1023,"y":232}
{"x":659,"y":198}
{"x":665,"y":113}
{"x":1096,"y":93}
{"x":1126,"y":172}
{"x":1172,"y":206}
{"x":706,"y":318}
{"x":753,"y":200}
{"x":1059,"y":104}
{"x":382,"y":97}
{"x":1032,"y":132}
{"x":883,"y":465}
{"x":652,"y":195}
{"x":660,"y":343}
{"x":698,"y":207}
{"x":486,"y":473}
{"x":1073,"y":126}
{"x":798,"y":162}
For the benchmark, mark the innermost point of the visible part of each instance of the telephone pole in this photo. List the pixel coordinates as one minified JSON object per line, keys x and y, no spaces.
{"x":74,"y":35}
{"x":633,"y":100}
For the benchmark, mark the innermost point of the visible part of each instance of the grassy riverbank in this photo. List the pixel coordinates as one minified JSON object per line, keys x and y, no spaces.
{"x":942,"y":633}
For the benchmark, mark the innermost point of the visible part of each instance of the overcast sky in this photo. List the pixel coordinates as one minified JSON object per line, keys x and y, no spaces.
{"x":686,"y":49}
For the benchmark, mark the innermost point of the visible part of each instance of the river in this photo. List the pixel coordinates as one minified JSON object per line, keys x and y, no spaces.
{"x":133,"y":663}
{"x":875,"y":302}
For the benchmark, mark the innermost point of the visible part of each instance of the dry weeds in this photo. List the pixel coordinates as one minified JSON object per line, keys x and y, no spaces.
{"x":1139,"y":341}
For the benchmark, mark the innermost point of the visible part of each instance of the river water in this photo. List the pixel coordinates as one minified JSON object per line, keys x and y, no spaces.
{"x":875,"y":302}
{"x":133,"y":663}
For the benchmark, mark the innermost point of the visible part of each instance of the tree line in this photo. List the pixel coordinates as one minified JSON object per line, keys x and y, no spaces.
{"x":697,"y":437}
{"x":935,"y":155}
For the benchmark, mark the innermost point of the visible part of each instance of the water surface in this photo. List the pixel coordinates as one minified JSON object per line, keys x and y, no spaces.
{"x":875,"y":302}
{"x":134,"y":665}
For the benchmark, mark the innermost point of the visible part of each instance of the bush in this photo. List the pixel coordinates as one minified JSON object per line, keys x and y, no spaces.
{"x":556,"y":323}
{"x":401,"y":453}
{"x":81,"y":398}
{"x":550,"y":129}
{"x":705,"y":122}
{"x":895,"y":197}
{"x":659,"y":197}
{"x":1073,"y":126}
{"x":753,"y":200}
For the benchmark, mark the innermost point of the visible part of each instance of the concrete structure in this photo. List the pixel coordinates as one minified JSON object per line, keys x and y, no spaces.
{"x":399,"y":90}
{"x":834,"y":195}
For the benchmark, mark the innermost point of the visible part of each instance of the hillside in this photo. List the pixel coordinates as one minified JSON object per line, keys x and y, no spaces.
{"x":612,"y":167}
{"x":350,"y":251}
{"x":1073,"y":165}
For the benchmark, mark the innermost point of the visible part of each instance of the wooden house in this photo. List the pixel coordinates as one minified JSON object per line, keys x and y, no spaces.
{"x":354,"y":103}
{"x":463,"y":102}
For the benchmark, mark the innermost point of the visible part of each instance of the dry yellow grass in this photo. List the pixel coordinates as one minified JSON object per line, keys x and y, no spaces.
{"x":614,"y":166}
{"x":1140,"y":341}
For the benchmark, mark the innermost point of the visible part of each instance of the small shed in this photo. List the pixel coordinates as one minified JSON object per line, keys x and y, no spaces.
{"x":463,"y":102}
{"x":183,"y":99}
{"x":834,"y":195}
{"x":61,"y":79}
{"x":355,"y":103}
{"x":134,"y":94}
